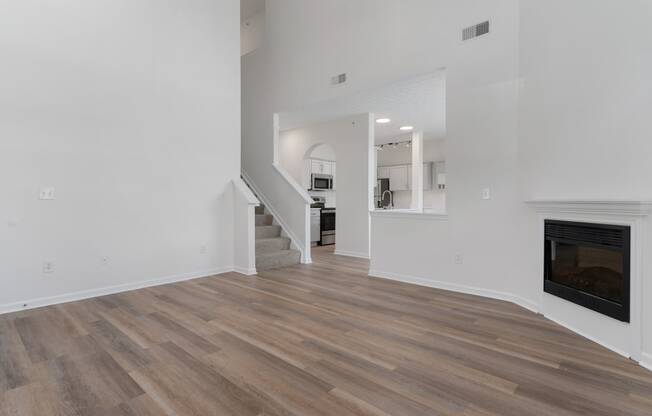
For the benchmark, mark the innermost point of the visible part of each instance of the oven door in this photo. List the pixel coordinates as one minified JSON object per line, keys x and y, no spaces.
{"x":327,"y":227}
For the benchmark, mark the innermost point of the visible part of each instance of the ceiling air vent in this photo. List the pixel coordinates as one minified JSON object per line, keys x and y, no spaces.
{"x":338,"y":79}
{"x":475,"y":31}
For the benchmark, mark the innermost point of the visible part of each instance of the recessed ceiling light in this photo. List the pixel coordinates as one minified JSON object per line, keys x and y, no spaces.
{"x":407,"y":128}
{"x":383,"y":121}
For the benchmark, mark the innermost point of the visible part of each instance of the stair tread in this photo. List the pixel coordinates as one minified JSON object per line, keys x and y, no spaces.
{"x":278,"y":253}
{"x":267,"y":231}
{"x":272,"y":244}
{"x":264,"y":219}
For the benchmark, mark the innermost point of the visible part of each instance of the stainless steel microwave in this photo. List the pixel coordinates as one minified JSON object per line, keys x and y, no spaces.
{"x":321,"y":182}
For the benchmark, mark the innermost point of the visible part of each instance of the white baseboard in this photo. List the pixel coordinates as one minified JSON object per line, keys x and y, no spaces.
{"x":646,"y":361}
{"x":109,"y":290}
{"x":351,"y":254}
{"x":492,"y":294}
{"x":245,"y":271}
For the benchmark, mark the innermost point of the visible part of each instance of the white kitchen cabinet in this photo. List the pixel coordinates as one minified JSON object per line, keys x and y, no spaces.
{"x":398,"y":178}
{"x":321,"y":167}
{"x":383,"y":173}
{"x":427,"y":176}
{"x":439,"y":176}
{"x":317,"y":167}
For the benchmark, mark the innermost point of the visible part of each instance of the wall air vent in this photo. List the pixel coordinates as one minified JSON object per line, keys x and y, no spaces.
{"x":338,"y":79}
{"x":475,"y":31}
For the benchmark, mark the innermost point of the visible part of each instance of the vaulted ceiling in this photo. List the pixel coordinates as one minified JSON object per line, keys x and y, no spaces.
{"x":419,"y":102}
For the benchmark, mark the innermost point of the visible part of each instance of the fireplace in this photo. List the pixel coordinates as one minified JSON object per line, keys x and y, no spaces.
{"x":589,"y":264}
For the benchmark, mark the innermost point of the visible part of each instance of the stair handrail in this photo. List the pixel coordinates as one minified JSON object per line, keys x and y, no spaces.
{"x":246,"y":192}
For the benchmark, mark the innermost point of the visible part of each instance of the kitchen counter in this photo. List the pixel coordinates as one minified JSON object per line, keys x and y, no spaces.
{"x":410,"y":213}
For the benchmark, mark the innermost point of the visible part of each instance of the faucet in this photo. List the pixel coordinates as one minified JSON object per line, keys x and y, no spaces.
{"x":391,"y":198}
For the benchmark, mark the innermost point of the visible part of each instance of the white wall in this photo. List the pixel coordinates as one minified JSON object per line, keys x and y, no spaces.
{"x":252,"y":32}
{"x":586,"y":99}
{"x":349,"y":137}
{"x":130,"y":109}
{"x":585,"y":107}
{"x":567,"y":119}
{"x":309,"y":42}
{"x":324,"y":152}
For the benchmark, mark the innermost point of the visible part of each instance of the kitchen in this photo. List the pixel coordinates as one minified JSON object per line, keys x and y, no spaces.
{"x":320,"y":182}
{"x":393,"y":188}
{"x":325,"y":155}
{"x":361,"y":138}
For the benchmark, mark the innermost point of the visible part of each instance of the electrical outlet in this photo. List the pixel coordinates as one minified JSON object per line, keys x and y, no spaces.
{"x":203,"y":249}
{"x":105,"y":261}
{"x":46,"y":194}
{"x":486,"y":193}
{"x":459,"y":259}
{"x":48,"y":267}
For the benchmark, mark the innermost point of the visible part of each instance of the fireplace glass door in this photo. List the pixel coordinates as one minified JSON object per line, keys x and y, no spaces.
{"x":588,"y":264}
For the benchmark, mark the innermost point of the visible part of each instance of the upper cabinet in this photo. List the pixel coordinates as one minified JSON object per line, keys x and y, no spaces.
{"x":427,"y":176}
{"x":383,"y":173}
{"x":399,"y":178}
{"x":322,"y":167}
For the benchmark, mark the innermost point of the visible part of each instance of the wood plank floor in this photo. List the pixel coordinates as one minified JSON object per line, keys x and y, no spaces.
{"x":323,"y":339}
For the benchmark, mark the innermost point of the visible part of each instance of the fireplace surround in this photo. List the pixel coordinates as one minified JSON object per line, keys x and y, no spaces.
{"x":631,"y":339}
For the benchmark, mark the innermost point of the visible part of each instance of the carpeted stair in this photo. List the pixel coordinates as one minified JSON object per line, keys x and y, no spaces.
{"x":272,"y":250}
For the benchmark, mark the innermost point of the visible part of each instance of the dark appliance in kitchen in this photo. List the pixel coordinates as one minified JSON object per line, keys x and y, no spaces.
{"x":382,"y":186}
{"x":327,"y":227}
{"x":321,"y":182}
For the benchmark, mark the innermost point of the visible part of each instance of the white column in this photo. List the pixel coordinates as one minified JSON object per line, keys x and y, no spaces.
{"x":372,"y":171}
{"x":417,"y":171}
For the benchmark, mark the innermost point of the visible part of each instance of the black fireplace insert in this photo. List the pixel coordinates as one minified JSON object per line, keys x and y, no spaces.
{"x":589,"y":264}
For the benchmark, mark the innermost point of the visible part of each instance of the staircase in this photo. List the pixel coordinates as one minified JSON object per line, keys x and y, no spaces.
{"x":272,"y":250}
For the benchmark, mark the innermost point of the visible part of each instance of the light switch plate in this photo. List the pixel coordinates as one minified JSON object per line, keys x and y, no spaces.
{"x":486,"y":193}
{"x":46,"y":194}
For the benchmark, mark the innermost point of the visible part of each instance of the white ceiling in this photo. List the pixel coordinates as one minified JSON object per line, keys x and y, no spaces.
{"x":249,"y":8}
{"x":418,"y":102}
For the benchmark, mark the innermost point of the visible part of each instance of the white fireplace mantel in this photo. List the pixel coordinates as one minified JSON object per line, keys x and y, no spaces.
{"x":593,"y":207}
